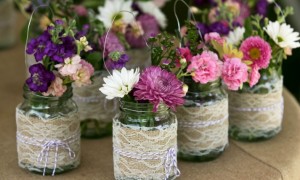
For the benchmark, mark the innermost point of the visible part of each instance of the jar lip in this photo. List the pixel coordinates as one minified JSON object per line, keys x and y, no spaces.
{"x":27,"y":94}
{"x":141,"y":106}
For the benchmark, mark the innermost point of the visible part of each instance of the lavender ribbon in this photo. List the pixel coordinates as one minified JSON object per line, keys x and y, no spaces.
{"x":45,"y":153}
{"x":170,"y":159}
{"x":47,"y":146}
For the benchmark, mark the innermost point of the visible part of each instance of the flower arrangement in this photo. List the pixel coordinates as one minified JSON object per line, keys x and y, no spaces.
{"x":57,"y":53}
{"x":222,"y":16}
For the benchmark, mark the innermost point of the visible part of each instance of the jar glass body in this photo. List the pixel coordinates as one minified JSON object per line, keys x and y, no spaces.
{"x":140,"y":132}
{"x":203,"y":122}
{"x":139,"y":58}
{"x":48,"y":131}
{"x":256,"y":113}
{"x":95,"y":111}
{"x":7,"y":23}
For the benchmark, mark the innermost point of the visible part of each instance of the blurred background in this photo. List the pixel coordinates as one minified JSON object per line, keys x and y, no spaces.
{"x":10,"y":16}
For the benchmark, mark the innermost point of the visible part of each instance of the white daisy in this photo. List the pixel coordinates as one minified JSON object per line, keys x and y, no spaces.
{"x":150,"y":8}
{"x":112,"y":9}
{"x":236,"y":36}
{"x":283,"y":35}
{"x":120,"y":83}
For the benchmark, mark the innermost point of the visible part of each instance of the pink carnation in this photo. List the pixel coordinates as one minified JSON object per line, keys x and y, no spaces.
{"x":213,"y":36}
{"x":80,"y":10}
{"x":234,"y":73}
{"x":83,"y":75}
{"x":254,"y":76}
{"x":205,"y":67}
{"x":256,"y":50}
{"x":159,"y":86}
{"x":56,"y":88}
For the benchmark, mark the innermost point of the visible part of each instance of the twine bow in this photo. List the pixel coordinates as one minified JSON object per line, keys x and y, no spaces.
{"x":45,"y":152}
{"x":171,"y":163}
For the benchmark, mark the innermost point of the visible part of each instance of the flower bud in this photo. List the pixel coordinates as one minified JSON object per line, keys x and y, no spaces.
{"x":185,"y":88}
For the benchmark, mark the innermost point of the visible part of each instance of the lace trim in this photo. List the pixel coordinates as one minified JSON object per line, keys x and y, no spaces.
{"x":146,"y":153}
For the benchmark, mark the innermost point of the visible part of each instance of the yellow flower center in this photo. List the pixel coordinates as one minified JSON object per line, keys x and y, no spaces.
{"x":254,"y":53}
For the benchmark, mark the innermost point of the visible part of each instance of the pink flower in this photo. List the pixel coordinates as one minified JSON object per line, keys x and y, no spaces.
{"x":234,"y":73}
{"x":256,"y":50}
{"x":56,"y":88}
{"x":70,"y":66}
{"x":254,"y":76}
{"x":215,"y":37}
{"x":80,"y":10}
{"x":159,"y":86}
{"x":83,"y":75}
{"x":185,"y":53}
{"x":205,"y":67}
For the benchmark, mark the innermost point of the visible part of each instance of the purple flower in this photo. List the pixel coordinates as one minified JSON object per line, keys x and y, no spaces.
{"x":219,"y":27}
{"x":40,"y":78}
{"x":83,"y":32}
{"x":59,"y":22}
{"x":159,"y":86}
{"x":112,"y":44}
{"x":64,"y":50}
{"x":150,"y":27}
{"x":121,"y":62}
{"x":204,"y":2}
{"x":203,"y":28}
{"x":262,"y":7}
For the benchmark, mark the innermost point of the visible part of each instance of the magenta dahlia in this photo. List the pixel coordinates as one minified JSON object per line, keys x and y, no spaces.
{"x":159,"y":86}
{"x":257,"y":50}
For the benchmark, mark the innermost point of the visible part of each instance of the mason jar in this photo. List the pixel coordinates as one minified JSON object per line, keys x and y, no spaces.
{"x":203,"y":122}
{"x":48,"y":133}
{"x":95,"y":111}
{"x":7,"y":23}
{"x":139,"y":58}
{"x":256,"y":113}
{"x":144,"y":142}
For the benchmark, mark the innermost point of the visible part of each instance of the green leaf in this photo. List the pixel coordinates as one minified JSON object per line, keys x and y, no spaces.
{"x":95,"y":58}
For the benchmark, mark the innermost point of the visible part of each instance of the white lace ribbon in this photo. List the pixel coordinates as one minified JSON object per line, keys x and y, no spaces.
{"x":170,"y":159}
{"x":201,"y":124}
{"x":260,"y":109}
{"x":49,"y":144}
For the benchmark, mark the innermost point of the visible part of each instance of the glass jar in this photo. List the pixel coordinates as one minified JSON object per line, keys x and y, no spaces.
{"x":95,"y":111}
{"x":144,"y":142}
{"x":139,"y":58}
{"x":48,"y":133}
{"x":7,"y":23}
{"x":203,"y":122}
{"x":256,"y":113}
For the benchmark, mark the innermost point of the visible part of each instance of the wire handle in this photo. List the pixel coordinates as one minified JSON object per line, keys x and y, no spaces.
{"x":177,"y":19}
{"x":28,"y":28}
{"x":107,"y":33}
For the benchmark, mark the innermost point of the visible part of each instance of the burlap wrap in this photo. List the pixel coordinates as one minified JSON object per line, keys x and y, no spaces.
{"x":48,"y":143}
{"x":203,"y":129}
{"x":256,"y":114}
{"x":140,"y":153}
{"x":92,"y":104}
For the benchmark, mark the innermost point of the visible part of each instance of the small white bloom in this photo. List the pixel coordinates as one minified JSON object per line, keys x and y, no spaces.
{"x":283,"y":35}
{"x":84,"y":43}
{"x":112,"y":9}
{"x":120,"y":83}
{"x":150,"y":8}
{"x":270,"y":1}
{"x":236,"y":36}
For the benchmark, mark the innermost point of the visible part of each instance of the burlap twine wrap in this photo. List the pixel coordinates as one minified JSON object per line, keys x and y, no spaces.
{"x":92,"y":104}
{"x":48,"y":143}
{"x":204,"y":129}
{"x":256,"y":114}
{"x":144,"y":153}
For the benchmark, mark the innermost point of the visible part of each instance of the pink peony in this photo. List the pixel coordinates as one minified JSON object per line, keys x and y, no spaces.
{"x":159,"y":86}
{"x":205,"y":67}
{"x":213,"y":36}
{"x":256,"y":50}
{"x":234,"y":73}
{"x":56,"y":88}
{"x":254,"y":76}
{"x":185,"y":53}
{"x":83,"y":75}
{"x":70,"y":66}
